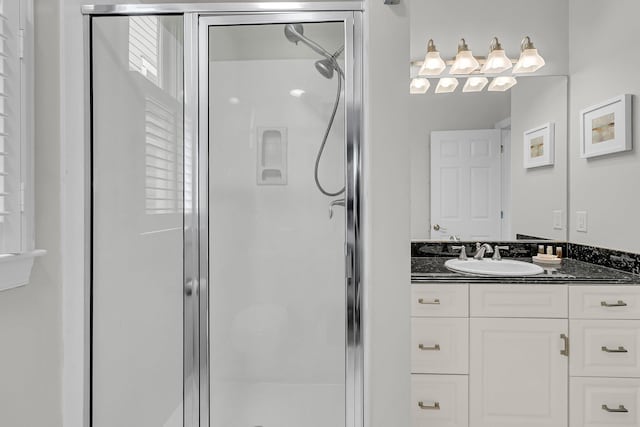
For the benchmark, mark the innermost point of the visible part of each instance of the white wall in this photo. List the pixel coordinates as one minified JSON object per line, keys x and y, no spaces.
{"x":430,"y":112}
{"x":446,"y":21}
{"x":605,"y":187}
{"x":386,"y":226}
{"x":30,"y":316}
{"x":537,"y":192}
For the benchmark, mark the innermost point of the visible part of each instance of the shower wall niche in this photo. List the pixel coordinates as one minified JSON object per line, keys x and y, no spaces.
{"x":272,"y":156}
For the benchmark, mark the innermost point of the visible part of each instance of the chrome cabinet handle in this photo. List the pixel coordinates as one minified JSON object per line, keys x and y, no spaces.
{"x":436,"y":301}
{"x":435,"y":406}
{"x":434,"y":348}
{"x":621,"y":408}
{"x":565,"y":350}
{"x":620,"y":303}
{"x":620,"y":349}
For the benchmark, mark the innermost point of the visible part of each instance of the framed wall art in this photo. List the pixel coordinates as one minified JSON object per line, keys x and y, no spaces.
{"x":539,"y":146}
{"x":605,"y":128}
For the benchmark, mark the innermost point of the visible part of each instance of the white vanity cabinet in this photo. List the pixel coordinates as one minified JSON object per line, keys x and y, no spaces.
{"x":518,"y":356}
{"x":440,"y":355}
{"x":605,"y":356}
{"x":525,"y":355}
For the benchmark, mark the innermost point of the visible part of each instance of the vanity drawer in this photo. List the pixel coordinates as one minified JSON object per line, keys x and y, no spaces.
{"x":604,"y":302}
{"x":439,"y":346}
{"x":547,"y":301}
{"x":588,"y":397}
{"x":605,"y":348}
{"x":439,"y":400}
{"x":439,"y":300}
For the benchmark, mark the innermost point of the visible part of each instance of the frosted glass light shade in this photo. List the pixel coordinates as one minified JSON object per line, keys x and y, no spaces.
{"x":529,"y":62}
{"x":465,"y":63}
{"x":497,"y":62}
{"x":419,"y":85}
{"x":447,"y":85}
{"x":475,"y":84}
{"x":433,"y":65}
{"x":502,"y":84}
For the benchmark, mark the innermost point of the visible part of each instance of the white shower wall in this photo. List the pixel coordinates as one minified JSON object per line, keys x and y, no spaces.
{"x":277,"y":260}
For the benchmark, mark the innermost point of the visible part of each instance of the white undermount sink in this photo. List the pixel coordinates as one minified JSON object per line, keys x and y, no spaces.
{"x":489,"y":267}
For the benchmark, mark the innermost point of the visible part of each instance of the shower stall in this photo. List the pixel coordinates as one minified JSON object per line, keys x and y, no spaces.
{"x":224,"y":179}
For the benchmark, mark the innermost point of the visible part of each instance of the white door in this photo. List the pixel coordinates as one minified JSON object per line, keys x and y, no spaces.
{"x":517,"y":374}
{"x":465,"y":185}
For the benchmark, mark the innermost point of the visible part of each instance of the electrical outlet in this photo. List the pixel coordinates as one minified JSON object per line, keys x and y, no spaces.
{"x":557,"y":220}
{"x":581,"y":221}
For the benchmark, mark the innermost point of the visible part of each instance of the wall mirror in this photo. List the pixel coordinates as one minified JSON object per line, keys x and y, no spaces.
{"x":491,"y":165}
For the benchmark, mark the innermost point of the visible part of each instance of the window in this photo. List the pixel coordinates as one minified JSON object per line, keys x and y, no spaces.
{"x":16,"y":145}
{"x":13,"y":129}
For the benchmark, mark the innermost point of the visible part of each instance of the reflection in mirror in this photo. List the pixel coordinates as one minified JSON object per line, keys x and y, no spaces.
{"x":480,"y":184}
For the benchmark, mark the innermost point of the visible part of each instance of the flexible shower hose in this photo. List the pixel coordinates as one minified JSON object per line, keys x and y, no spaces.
{"x":324,"y":140}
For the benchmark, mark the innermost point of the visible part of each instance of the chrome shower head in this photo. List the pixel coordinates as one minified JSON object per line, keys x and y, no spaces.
{"x":293,"y":32}
{"x":325,"y":67}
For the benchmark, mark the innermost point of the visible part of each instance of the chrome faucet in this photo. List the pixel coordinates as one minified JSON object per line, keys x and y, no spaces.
{"x":496,"y":252}
{"x":482,"y":249}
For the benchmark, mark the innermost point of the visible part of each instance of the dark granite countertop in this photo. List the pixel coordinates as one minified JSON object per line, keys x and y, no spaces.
{"x":432,"y":269}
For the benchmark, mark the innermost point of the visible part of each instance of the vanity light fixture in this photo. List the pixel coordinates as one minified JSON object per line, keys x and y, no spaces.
{"x":502,"y":84}
{"x":419,"y":85}
{"x":530,"y":60}
{"x":447,"y":85}
{"x":475,"y":84}
{"x":465,"y":63}
{"x":433,"y":64}
{"x":497,"y":61}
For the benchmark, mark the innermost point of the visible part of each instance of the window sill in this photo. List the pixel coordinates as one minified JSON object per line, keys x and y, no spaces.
{"x":15,"y":270}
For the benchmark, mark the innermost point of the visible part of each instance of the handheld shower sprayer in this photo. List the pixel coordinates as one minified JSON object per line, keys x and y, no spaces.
{"x":326,"y":67}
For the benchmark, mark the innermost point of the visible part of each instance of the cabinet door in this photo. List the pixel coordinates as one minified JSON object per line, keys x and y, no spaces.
{"x":518,"y":376}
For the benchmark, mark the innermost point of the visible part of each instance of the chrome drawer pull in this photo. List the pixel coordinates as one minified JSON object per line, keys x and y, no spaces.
{"x":434,"y":302}
{"x":620,"y":303}
{"x":565,"y":350}
{"x":434,"y":348}
{"x":435,"y":406}
{"x":621,"y":408}
{"x":620,"y":349}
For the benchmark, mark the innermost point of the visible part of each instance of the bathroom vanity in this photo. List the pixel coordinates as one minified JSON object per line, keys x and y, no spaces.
{"x":557,"y":349}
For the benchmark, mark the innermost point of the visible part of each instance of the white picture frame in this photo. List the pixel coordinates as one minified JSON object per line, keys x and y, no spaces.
{"x":605,"y":128}
{"x":539,"y":146}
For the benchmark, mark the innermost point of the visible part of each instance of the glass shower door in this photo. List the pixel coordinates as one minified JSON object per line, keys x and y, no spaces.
{"x":278,"y":162}
{"x":138,"y":195}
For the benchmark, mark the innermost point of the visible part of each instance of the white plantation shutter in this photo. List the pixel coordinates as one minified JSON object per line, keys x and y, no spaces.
{"x":11,"y":128}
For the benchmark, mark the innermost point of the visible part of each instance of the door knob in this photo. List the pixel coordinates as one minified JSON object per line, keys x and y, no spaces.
{"x":436,"y":227}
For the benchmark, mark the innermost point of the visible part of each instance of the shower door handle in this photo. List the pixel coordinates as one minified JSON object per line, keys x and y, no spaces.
{"x":190,"y":287}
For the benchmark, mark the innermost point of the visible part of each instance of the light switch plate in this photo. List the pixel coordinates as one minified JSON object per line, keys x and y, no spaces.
{"x":557,"y":220}
{"x":581,"y":221}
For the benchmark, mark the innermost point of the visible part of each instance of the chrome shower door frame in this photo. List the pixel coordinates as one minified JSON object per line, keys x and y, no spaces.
{"x":197,"y":18}
{"x":353,"y":54}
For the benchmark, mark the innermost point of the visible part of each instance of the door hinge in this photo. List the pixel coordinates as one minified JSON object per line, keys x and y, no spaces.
{"x":501,"y":149}
{"x":21,"y":44}
{"x":501,"y":214}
